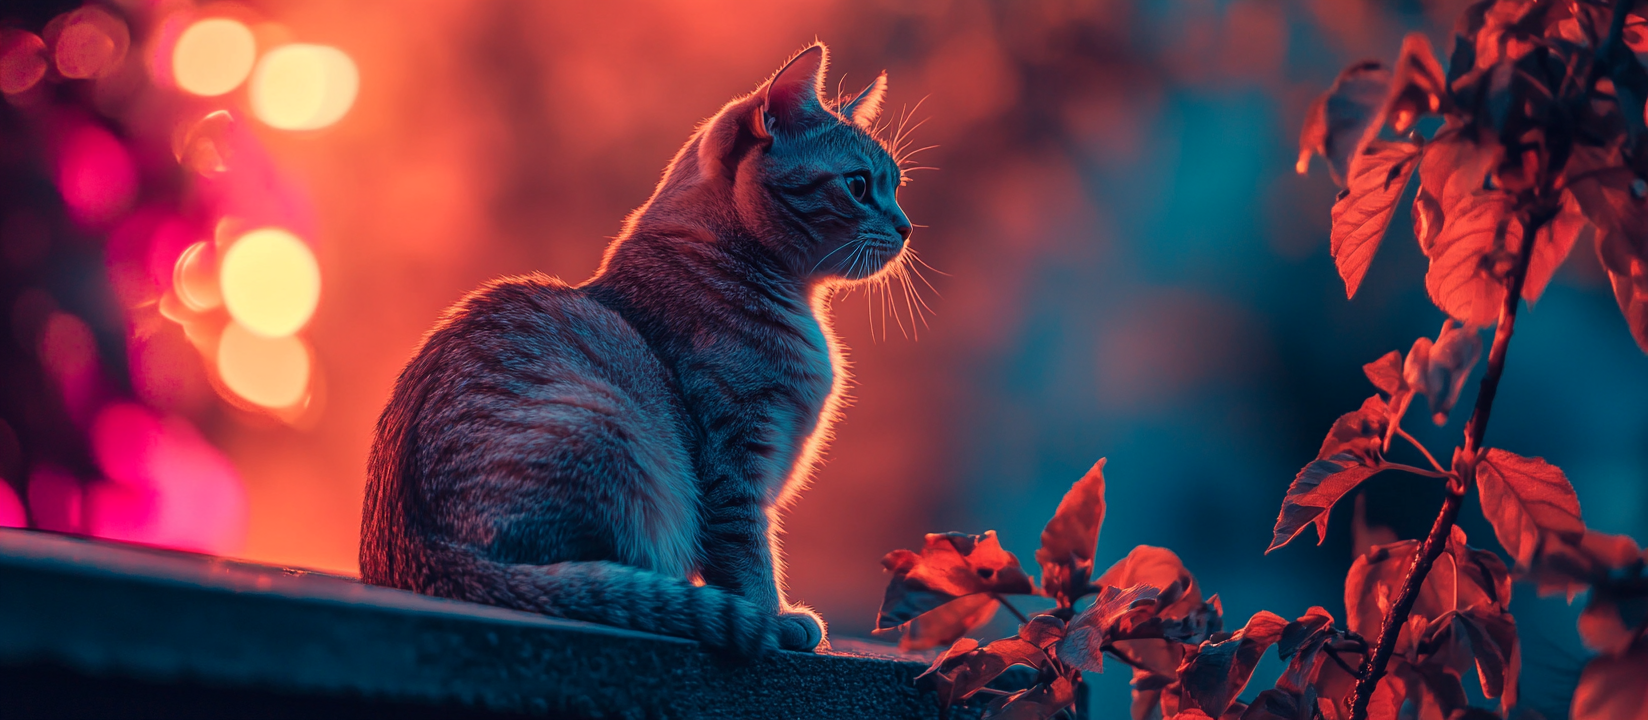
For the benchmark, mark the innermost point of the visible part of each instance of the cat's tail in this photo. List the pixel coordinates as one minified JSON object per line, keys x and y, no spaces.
{"x":612,"y":594}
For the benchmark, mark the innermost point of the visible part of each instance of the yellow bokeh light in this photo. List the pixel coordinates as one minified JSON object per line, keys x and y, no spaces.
{"x":271,"y":372}
{"x":303,"y":87}
{"x":270,"y":282}
{"x":213,"y":56}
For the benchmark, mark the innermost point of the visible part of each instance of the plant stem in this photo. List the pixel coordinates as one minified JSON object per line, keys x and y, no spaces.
{"x":1010,"y":608}
{"x":1416,"y":444}
{"x":1374,"y":670}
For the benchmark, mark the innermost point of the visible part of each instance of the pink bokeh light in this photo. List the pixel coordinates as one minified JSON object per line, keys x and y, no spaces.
{"x":55,"y":499}
{"x":95,"y":174}
{"x":166,"y":485}
{"x":11,"y":508}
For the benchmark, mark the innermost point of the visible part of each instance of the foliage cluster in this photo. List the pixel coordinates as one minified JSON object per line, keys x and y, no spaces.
{"x":1541,"y":145}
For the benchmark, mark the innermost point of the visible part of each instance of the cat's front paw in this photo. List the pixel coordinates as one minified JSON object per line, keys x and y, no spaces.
{"x":800,"y":628}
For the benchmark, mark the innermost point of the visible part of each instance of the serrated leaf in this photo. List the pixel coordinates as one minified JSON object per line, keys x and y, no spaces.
{"x":1313,"y":494}
{"x":1040,"y":702}
{"x":948,"y":622}
{"x":966,"y":667}
{"x":1378,"y":174}
{"x":1386,"y":373}
{"x":1471,"y":255}
{"x":1219,"y":671}
{"x":1090,"y":630}
{"x":1070,"y":539}
{"x":950,"y":566}
{"x":1611,"y":688}
{"x":1529,"y":502}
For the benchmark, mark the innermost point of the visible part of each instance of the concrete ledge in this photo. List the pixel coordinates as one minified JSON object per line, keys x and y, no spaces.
{"x":97,"y":629}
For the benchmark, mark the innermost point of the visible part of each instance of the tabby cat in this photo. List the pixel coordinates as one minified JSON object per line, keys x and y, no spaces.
{"x":617,"y":451}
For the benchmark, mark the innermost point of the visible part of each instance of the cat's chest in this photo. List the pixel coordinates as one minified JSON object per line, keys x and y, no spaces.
{"x":772,"y":384}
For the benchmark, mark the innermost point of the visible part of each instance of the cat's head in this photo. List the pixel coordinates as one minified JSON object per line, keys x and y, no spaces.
{"x":807,"y":177}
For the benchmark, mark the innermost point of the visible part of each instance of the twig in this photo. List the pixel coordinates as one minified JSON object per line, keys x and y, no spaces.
{"x":1387,"y":465}
{"x":1421,"y":448}
{"x":1374,"y":669}
{"x":1010,"y":608}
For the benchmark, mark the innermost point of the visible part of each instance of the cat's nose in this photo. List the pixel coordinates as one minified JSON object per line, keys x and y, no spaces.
{"x":903,"y":230}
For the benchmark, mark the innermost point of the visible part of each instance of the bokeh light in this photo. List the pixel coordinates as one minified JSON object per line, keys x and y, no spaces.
{"x":95,"y":174}
{"x":55,"y":499}
{"x":11,"y":507}
{"x":194,"y":280}
{"x":69,"y":352}
{"x":270,"y":282}
{"x":269,"y":371}
{"x":88,"y":42}
{"x":167,"y":485}
{"x":22,"y":61}
{"x":303,"y":87}
{"x":213,"y":56}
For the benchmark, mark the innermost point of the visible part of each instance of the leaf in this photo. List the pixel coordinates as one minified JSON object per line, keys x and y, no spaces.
{"x":1529,"y":502}
{"x":1607,"y":194}
{"x":1471,"y":255}
{"x":1089,"y":631}
{"x":1312,"y":495}
{"x":948,"y":622}
{"x":1386,"y":373}
{"x":1611,"y":688}
{"x":1219,"y":671}
{"x":1352,"y":452}
{"x":1070,"y":539}
{"x":1493,"y":645}
{"x":1039,"y":702}
{"x":1360,"y":433}
{"x":1378,"y":175}
{"x":1570,"y":569}
{"x":950,"y":566}
{"x":1462,"y":576}
{"x":1160,"y":568}
{"x":966,"y":667}
{"x":1438,"y":370}
{"x":1336,"y":122}
{"x":1278,"y":705}
{"x":1555,"y":240}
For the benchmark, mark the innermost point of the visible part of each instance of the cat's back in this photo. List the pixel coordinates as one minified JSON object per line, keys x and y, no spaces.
{"x":522,"y":374}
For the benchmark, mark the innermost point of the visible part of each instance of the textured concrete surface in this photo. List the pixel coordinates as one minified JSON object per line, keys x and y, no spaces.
{"x":97,"y":629}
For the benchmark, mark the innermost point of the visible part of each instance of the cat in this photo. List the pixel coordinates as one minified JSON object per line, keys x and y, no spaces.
{"x":617,"y":451}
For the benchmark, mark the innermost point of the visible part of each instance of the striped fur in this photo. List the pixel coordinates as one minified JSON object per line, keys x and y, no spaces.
{"x":588,"y":452}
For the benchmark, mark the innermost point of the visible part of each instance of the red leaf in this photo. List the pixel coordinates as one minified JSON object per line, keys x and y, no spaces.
{"x":1570,"y":569}
{"x":1313,"y":494}
{"x":1378,"y":175}
{"x":1338,"y":120}
{"x":966,"y":667}
{"x":1471,"y":255}
{"x":948,"y":623}
{"x":1278,"y":705}
{"x":1612,"y":688}
{"x":1530,"y":503}
{"x":1360,"y":433}
{"x":1160,"y":568}
{"x":1091,"y":629}
{"x":1438,"y":370}
{"x":1219,"y":671}
{"x":1462,"y":576}
{"x":1071,"y":537}
{"x":1493,"y":645}
{"x":1606,"y":193}
{"x":1386,"y":373}
{"x":1555,"y":240}
{"x":950,"y":566}
{"x":1040,"y":702}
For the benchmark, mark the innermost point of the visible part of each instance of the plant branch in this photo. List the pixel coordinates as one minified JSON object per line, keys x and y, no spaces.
{"x":1415,"y":470}
{"x":1003,"y":600}
{"x":1421,"y":448}
{"x":1374,"y":670}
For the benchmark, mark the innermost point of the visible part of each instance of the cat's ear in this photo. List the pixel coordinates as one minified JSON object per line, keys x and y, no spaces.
{"x":794,"y":96}
{"x":865,"y":108}
{"x":739,"y":127}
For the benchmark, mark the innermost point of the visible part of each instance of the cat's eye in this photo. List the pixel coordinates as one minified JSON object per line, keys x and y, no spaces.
{"x":858,"y":184}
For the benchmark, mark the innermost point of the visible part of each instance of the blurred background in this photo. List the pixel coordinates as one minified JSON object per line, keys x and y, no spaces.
{"x":227,"y":225}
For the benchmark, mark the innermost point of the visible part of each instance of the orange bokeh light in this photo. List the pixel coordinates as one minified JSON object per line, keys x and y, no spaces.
{"x":272,"y":372}
{"x":304,"y":87}
{"x":213,"y":56}
{"x":194,"y":279}
{"x":270,"y":282}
